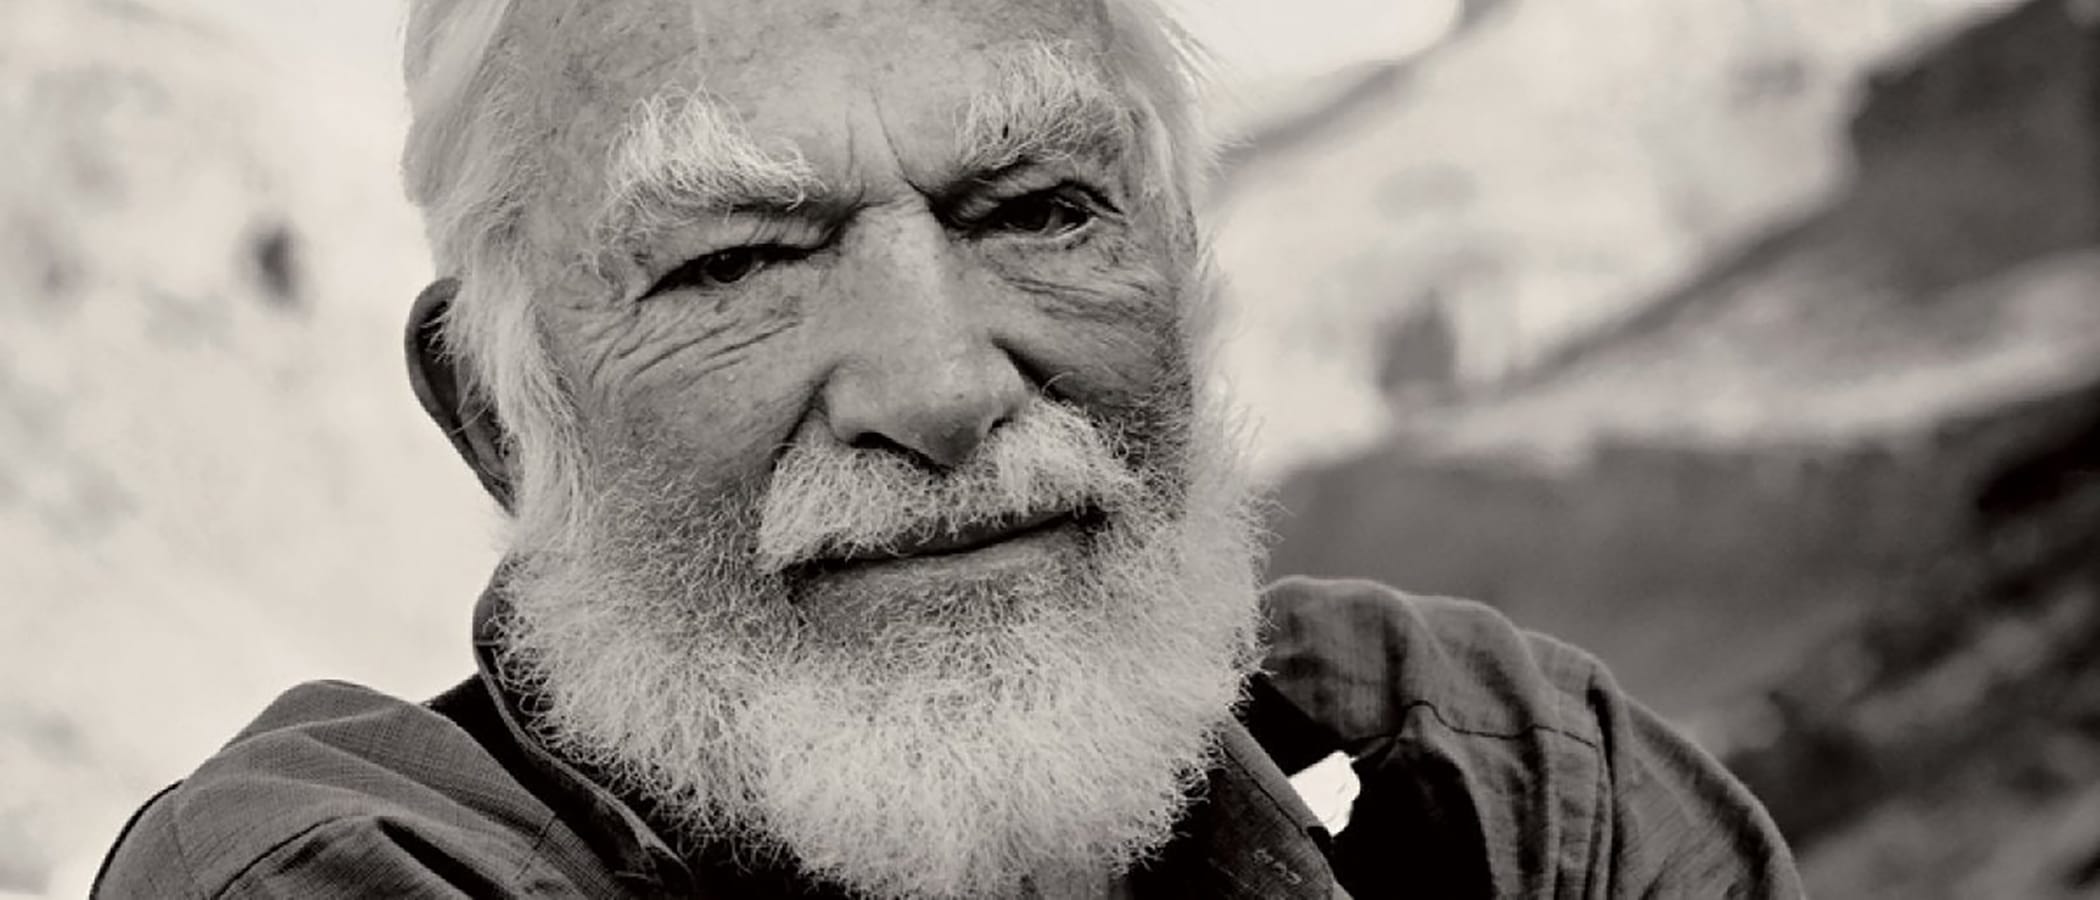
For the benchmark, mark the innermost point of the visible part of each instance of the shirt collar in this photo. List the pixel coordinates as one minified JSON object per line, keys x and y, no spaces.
{"x":610,"y":826}
{"x":1250,"y":836}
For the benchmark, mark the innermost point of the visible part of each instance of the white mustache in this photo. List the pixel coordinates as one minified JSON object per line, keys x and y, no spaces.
{"x":830,"y":501}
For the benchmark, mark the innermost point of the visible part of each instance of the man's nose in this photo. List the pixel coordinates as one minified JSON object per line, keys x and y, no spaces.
{"x":936,"y":396}
{"x":922,"y":375}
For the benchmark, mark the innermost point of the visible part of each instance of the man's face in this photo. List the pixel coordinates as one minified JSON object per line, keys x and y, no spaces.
{"x":906,"y":555}
{"x":918,"y":285}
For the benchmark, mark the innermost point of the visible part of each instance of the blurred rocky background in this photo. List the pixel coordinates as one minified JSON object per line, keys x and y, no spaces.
{"x":1752,"y":344}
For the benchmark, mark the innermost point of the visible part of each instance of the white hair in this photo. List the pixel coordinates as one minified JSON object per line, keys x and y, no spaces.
{"x":683,"y":154}
{"x":1043,"y":724}
{"x":465,"y":165}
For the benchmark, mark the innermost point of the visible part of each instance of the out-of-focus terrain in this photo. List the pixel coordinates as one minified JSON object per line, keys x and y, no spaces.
{"x":1753,"y":345}
{"x":1828,"y":491}
{"x":213,"y":482}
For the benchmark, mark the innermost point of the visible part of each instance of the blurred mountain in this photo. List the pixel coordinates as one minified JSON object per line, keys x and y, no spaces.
{"x":1953,"y":274}
{"x":1810,"y":378}
{"x":1543,"y":172}
{"x":204,"y":494}
{"x":1832,"y":501}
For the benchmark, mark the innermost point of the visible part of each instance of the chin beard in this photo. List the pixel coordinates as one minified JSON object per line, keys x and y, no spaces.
{"x":1030,"y":727}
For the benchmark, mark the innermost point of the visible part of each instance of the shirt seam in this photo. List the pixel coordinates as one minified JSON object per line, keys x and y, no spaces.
{"x":532,"y":854}
{"x":182,"y":851}
{"x":271,"y":851}
{"x":1603,"y":842}
{"x":1593,"y":745}
{"x":1265,"y":792}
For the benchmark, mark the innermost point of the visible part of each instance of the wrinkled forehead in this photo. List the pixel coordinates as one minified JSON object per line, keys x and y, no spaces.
{"x":722,"y":37}
{"x":581,"y":68}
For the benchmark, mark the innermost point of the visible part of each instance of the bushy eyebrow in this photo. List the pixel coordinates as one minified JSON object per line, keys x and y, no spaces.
{"x":684,"y":155}
{"x":1046,"y":103}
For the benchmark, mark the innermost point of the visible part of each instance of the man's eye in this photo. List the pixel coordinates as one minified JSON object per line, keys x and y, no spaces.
{"x":723,"y":267}
{"x":1041,"y":214}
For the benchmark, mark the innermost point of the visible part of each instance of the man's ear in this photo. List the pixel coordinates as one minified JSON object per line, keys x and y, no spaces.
{"x":466,"y":417}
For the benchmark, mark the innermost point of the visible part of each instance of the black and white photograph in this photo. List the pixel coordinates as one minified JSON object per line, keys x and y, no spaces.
{"x":1050,"y":449}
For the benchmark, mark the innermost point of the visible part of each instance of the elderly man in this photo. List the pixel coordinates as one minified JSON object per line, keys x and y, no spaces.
{"x":875,"y":532}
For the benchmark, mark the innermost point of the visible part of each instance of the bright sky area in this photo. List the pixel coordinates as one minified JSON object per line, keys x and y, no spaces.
{"x":1259,"y":41}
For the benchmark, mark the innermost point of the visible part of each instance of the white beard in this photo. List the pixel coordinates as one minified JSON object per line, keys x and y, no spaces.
{"x":974,"y":740}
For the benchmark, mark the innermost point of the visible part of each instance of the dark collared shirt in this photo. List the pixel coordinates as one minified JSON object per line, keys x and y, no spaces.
{"x":1493,"y":763}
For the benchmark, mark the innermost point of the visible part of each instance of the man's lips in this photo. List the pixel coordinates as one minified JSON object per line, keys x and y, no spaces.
{"x":941,"y":543}
{"x":965,"y":539}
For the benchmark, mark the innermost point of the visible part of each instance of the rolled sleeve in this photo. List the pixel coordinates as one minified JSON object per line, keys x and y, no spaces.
{"x":371,"y":857}
{"x":1500,"y":763}
{"x":1679,"y":825}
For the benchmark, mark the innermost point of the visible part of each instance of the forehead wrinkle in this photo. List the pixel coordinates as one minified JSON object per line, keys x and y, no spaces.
{"x":1046,"y":101}
{"x":682,"y":155}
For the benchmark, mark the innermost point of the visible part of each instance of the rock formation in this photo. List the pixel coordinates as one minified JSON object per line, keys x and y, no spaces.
{"x":1834,"y":501}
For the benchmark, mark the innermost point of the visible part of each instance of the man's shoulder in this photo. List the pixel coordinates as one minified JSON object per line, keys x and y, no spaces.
{"x":326,"y":763}
{"x":1366,"y":658}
